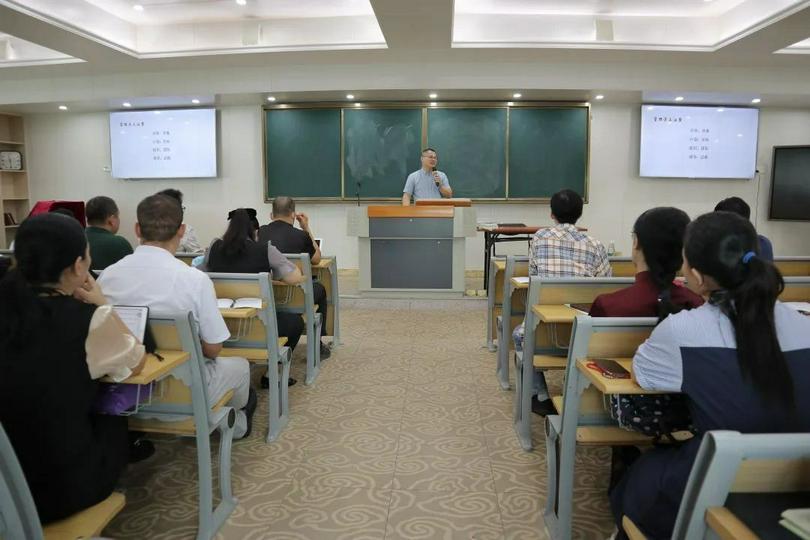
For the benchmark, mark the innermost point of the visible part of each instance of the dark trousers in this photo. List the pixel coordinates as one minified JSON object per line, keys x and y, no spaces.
{"x":319,"y":292}
{"x":290,"y":326}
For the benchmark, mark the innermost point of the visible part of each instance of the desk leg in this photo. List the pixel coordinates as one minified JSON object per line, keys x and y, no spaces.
{"x":486,"y":259}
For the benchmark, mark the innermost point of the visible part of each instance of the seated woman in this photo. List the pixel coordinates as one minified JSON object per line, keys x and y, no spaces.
{"x":657,"y":256}
{"x":742,"y":359}
{"x":57,"y":338}
{"x":239,"y":252}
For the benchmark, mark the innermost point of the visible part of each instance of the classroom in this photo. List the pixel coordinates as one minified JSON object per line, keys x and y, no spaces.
{"x":193,"y":190}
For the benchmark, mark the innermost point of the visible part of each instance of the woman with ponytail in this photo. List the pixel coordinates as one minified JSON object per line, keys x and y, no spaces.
{"x":742,"y":360}
{"x":57,"y":338}
{"x":657,"y":256}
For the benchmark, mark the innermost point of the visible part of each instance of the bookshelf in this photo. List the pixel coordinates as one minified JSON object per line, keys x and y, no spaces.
{"x":14,"y":201}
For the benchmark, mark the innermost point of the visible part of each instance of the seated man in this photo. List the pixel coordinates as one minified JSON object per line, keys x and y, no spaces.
{"x":189,"y":242}
{"x":153,"y":277}
{"x":103,"y":221}
{"x":282,"y":233}
{"x":738,"y":206}
{"x":562,"y":251}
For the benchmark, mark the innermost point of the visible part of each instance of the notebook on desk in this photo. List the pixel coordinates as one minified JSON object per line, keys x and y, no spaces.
{"x":135,"y":318}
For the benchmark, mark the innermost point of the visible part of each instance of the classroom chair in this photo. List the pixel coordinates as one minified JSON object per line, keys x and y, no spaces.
{"x":730,"y":464}
{"x":185,"y":394}
{"x":326,"y":272}
{"x":513,"y":305}
{"x":582,"y":418}
{"x":301,"y":299}
{"x":18,"y":515}
{"x":546,"y":347}
{"x":259,"y":343}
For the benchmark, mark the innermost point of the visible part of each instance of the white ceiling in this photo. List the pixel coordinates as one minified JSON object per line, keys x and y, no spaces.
{"x":698,"y":25}
{"x":617,"y":8}
{"x":304,"y":50}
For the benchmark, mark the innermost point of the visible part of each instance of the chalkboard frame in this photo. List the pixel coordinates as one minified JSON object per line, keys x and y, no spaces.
{"x":424,"y":106}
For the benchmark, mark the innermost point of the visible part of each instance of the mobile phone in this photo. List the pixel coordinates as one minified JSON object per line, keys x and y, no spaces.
{"x":609,"y":368}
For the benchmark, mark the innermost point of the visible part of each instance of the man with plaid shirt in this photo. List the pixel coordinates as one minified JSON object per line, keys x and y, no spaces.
{"x":562,"y":251}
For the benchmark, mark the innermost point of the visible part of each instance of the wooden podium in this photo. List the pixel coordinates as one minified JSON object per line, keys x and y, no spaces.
{"x":413,"y":251}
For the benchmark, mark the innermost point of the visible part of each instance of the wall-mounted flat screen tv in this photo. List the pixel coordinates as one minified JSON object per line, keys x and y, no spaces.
{"x":168,"y":143}
{"x":790,"y":183}
{"x":698,"y":142}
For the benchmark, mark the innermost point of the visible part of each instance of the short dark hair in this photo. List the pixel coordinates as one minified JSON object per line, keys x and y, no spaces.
{"x":429,"y":149}
{"x":283,"y":206}
{"x":735,"y":205}
{"x":159,"y":218}
{"x":98,"y":209}
{"x":566,"y":205}
{"x":173,"y":193}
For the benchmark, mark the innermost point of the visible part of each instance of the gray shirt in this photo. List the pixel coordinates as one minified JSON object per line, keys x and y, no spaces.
{"x":421,"y":185}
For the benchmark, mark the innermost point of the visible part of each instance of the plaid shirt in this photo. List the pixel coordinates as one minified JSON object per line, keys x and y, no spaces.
{"x":563,"y":251}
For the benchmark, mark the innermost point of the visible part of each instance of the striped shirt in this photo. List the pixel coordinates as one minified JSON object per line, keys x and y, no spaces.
{"x":564,"y":251}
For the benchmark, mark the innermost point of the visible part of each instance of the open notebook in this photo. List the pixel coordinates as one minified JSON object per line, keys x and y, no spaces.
{"x":224,"y":303}
{"x":134,"y":317}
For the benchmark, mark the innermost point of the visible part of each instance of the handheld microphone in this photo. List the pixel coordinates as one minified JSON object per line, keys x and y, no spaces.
{"x":436,"y":178}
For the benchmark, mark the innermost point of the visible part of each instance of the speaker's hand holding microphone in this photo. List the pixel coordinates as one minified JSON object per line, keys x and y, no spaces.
{"x":437,"y":178}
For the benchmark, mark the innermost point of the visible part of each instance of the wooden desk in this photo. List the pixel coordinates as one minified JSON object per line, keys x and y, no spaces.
{"x":550,"y":314}
{"x":239,"y":313}
{"x":154,"y":369}
{"x":519,"y":283}
{"x":326,"y":273}
{"x":493,"y":235}
{"x":613,"y":386}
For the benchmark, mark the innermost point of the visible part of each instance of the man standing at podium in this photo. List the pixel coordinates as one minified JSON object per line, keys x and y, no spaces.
{"x":427,"y":182}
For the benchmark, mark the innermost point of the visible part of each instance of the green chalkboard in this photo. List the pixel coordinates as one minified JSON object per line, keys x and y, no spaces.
{"x":471,"y":144}
{"x":314,"y":153}
{"x":303,"y":152}
{"x":380,"y":148}
{"x":548,"y":151}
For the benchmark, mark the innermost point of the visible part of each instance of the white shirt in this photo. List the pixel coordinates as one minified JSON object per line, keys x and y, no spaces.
{"x":153,"y":277}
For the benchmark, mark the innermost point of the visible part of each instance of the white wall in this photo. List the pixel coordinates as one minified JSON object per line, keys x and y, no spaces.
{"x":67,"y":154}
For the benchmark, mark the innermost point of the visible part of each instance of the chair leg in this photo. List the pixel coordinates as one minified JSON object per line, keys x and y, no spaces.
{"x":278,"y":407}
{"x":552,"y":465}
{"x":225,"y":444}
{"x":502,"y":367}
{"x":523,"y":403}
{"x":205,"y":529}
{"x":313,"y":349}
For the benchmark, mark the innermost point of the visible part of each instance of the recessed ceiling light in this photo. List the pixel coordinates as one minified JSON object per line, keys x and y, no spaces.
{"x":679,"y":98}
{"x":357,"y":104}
{"x":517,"y":96}
{"x":721,"y":109}
{"x":271,"y":98}
{"x":588,"y":103}
{"x":241,"y":2}
{"x":63,"y":107}
{"x":433,"y":95}
{"x":137,"y":7}
{"x":195,"y":101}
{"x":756,"y":100}
{"x":599,"y":96}
{"x":349,"y":96}
{"x":433,"y":104}
{"x":127,"y":104}
{"x":510,"y":103}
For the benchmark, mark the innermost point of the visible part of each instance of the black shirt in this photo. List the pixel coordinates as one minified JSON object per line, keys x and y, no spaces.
{"x":256,"y":257}
{"x":71,"y":457}
{"x":286,"y":238}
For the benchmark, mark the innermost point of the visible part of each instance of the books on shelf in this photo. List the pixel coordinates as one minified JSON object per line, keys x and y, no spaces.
{"x":225,"y":303}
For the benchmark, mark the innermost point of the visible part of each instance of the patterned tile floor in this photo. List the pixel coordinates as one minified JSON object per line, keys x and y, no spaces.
{"x":405,"y":435}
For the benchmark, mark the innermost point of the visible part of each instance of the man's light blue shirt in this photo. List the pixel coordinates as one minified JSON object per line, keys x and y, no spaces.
{"x":421,"y":185}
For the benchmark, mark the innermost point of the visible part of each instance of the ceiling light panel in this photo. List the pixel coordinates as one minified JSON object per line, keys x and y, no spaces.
{"x":190,"y":27}
{"x":625,"y":24}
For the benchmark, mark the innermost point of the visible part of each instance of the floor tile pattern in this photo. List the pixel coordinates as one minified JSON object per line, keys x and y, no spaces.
{"x":405,"y":435}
